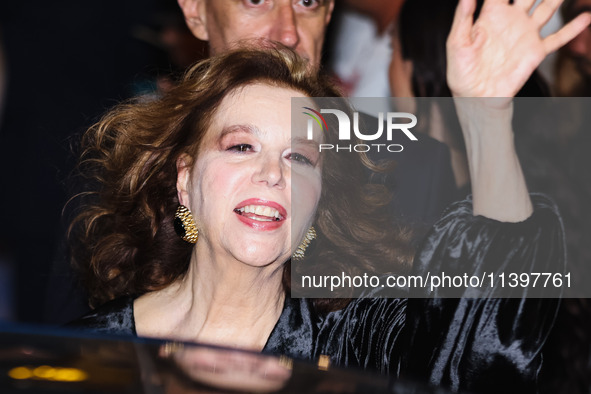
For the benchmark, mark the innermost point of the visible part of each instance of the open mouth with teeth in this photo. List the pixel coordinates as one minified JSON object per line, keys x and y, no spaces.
{"x":261,"y":213}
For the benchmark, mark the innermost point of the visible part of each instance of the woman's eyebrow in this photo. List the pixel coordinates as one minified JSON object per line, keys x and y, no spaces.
{"x":305,"y":141}
{"x":239,"y":128}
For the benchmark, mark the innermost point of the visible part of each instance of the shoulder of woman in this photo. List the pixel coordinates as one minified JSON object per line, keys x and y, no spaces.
{"x":114,"y":317}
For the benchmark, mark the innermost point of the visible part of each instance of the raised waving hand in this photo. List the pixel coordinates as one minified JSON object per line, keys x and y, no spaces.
{"x":495,"y":55}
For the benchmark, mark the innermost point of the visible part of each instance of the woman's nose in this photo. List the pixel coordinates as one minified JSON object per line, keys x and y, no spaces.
{"x":271,"y":171}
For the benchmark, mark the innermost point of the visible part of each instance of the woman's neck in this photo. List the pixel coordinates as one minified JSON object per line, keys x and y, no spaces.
{"x":225,"y":303}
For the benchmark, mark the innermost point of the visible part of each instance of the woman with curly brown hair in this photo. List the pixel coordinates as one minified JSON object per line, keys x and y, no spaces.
{"x":215,"y":160}
{"x":143,"y":154}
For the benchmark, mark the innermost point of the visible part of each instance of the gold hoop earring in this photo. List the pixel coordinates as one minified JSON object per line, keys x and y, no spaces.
{"x":184,"y":225}
{"x":299,"y":254}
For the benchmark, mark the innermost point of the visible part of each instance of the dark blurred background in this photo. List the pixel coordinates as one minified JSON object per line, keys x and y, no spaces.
{"x":62,"y":64}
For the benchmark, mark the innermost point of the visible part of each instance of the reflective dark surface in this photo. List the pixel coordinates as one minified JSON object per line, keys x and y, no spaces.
{"x":33,"y":360}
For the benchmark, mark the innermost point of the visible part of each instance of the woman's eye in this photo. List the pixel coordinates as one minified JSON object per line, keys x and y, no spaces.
{"x":241,"y":148}
{"x":300,"y":158}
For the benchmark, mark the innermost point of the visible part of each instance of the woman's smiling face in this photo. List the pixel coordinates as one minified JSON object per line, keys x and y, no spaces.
{"x":239,"y":188}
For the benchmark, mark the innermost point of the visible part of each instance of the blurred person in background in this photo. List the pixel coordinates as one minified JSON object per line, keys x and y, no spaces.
{"x":361,"y":46}
{"x":573,"y":67}
{"x":573,"y":64}
{"x":299,"y":25}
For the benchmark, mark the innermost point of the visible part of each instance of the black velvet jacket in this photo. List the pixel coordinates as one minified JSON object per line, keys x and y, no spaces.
{"x":475,"y":344}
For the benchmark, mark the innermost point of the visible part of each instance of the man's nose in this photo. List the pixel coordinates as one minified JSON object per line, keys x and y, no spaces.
{"x":271,"y":171}
{"x":285,"y":26}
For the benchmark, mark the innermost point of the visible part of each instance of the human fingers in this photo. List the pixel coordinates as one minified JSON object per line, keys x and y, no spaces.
{"x":544,"y":11}
{"x":463,"y":21}
{"x":567,"y":33}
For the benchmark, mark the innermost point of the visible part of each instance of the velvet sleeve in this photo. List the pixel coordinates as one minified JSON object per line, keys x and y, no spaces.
{"x":487,"y":343}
